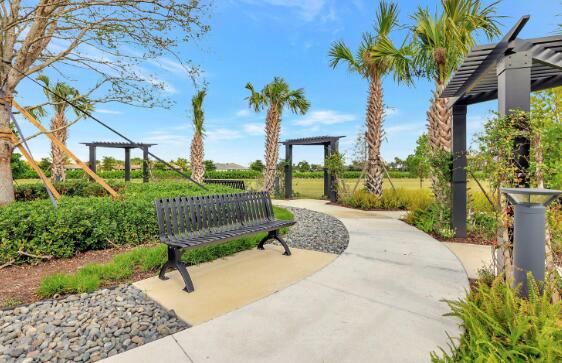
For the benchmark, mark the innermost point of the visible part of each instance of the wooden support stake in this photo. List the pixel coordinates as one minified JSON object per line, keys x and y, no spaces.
{"x":38,"y":170}
{"x":63,"y":147}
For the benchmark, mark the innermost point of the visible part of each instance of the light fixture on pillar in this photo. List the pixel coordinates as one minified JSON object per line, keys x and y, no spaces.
{"x":529,"y":232}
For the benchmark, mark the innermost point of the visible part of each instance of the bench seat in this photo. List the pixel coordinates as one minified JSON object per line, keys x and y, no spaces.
{"x":190,"y":222}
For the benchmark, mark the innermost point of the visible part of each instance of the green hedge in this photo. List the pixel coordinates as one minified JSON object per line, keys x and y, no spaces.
{"x":70,"y":188}
{"x":216,"y":174}
{"x":82,"y":224}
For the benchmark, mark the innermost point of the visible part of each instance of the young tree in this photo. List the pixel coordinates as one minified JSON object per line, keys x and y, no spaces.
{"x":257,"y":166}
{"x":418,"y":163}
{"x":276,"y":96}
{"x":59,"y":121}
{"x":303,"y":166}
{"x":85,"y":35}
{"x":209,"y":165}
{"x":376,"y":57}
{"x":197,"y":149}
{"x":108,"y":163}
{"x":440,"y":43}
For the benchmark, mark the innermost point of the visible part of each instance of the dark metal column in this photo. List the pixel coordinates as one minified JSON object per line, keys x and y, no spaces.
{"x":326,"y":175}
{"x":459,"y":198}
{"x":288,"y":171}
{"x":514,"y":94}
{"x":145,"y":164}
{"x":93,"y":158}
{"x":127,"y":164}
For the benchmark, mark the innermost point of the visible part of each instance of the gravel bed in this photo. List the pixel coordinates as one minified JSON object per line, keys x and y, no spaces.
{"x":317,"y":231}
{"x":84,"y":328}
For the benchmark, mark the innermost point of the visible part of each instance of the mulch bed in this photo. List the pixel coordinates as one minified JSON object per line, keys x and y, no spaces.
{"x":20,"y":283}
{"x":471,"y":239}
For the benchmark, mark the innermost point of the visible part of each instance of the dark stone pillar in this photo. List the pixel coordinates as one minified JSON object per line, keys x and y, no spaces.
{"x":127,"y":164}
{"x":514,"y":94}
{"x":93,"y":158}
{"x":288,"y":171}
{"x":145,"y":164}
{"x":459,"y":197}
{"x":326,"y":175}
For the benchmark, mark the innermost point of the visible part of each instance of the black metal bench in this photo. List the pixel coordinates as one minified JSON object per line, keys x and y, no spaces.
{"x":238,"y":184}
{"x":189,"y":222}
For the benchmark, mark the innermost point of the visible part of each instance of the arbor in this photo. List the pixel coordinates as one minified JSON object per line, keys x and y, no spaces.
{"x":257,"y":166}
{"x":85,"y":35}
{"x":197,"y":149}
{"x":56,"y":96}
{"x":376,"y":57}
{"x":275,"y":96}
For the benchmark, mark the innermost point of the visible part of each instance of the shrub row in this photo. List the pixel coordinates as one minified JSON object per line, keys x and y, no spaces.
{"x":82,"y":224}
{"x":70,"y":188}
{"x":390,"y":199}
{"x":216,"y":174}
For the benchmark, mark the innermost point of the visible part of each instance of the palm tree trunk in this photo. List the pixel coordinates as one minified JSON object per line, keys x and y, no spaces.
{"x":6,"y":147}
{"x":272,"y":132}
{"x":197,"y":156}
{"x":375,"y":114}
{"x":439,"y":121}
{"x":58,"y":156}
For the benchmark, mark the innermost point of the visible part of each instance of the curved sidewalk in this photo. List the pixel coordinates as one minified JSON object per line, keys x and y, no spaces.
{"x":380,"y":301}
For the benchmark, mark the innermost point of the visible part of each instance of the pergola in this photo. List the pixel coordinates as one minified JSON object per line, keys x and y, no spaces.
{"x":330,"y":144}
{"x":507,"y":71}
{"x":121,"y":145}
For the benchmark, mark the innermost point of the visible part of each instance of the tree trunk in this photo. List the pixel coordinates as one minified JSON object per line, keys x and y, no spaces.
{"x":6,"y":147}
{"x":272,"y":132}
{"x":58,"y":156}
{"x":375,"y":114}
{"x":439,"y":121}
{"x":197,"y":156}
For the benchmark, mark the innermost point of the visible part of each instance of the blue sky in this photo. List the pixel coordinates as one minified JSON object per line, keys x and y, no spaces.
{"x":255,"y":40}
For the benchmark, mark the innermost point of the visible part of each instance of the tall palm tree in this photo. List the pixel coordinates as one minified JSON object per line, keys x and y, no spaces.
{"x":197,"y":149}
{"x":440,"y":43}
{"x":57,"y":96}
{"x":376,"y":57}
{"x":275,"y":96}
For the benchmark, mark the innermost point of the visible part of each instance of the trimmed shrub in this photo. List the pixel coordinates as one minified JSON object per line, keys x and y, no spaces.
{"x":82,"y":224}
{"x":70,"y":188}
{"x":390,"y":199}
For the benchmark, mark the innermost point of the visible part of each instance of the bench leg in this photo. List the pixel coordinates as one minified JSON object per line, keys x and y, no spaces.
{"x":264,"y":240}
{"x":174,"y":261}
{"x":275,"y":235}
{"x":283,"y":243}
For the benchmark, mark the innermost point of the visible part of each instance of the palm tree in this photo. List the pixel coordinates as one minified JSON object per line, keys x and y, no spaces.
{"x":440,"y":43}
{"x":376,"y":57}
{"x":197,"y":149}
{"x":276,"y":96}
{"x":57,"y":97}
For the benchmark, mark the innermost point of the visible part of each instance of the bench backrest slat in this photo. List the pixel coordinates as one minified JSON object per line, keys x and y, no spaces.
{"x":187,"y":217}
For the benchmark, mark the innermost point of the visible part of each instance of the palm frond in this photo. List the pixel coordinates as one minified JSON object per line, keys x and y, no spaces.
{"x":198,"y":114}
{"x":340,"y":52}
{"x":256,"y":99}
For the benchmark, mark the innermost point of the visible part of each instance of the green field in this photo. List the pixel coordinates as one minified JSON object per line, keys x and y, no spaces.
{"x":314,"y":188}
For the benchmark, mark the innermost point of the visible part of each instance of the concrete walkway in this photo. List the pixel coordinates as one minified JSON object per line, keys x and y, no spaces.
{"x":380,"y":301}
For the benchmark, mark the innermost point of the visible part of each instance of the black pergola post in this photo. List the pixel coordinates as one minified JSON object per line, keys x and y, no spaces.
{"x":145,"y":164}
{"x":326,"y":175}
{"x":459,"y":191}
{"x":514,"y":94}
{"x":288,"y":171}
{"x":92,"y":158}
{"x":127,"y":164}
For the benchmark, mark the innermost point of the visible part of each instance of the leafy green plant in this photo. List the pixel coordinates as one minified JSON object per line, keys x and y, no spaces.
{"x":390,"y":199}
{"x":501,"y":326}
{"x":143,"y":259}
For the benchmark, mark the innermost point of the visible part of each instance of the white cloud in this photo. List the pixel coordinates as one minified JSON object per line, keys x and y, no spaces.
{"x":165,"y":137}
{"x":391,"y":111}
{"x":405,"y":128}
{"x":108,"y":112}
{"x":223,"y":134}
{"x":243,"y":113}
{"x":253,"y":128}
{"x":325,"y":117}
{"x":308,"y":10}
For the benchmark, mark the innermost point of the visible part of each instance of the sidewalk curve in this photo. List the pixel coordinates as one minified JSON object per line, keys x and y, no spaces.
{"x":380,"y":301}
